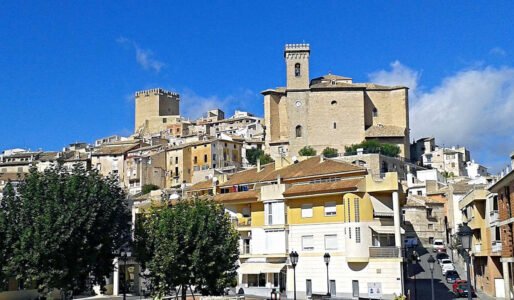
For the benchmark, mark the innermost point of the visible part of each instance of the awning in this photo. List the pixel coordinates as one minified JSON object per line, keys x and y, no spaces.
{"x":380,"y":209}
{"x":385,"y":229}
{"x":257,"y":268}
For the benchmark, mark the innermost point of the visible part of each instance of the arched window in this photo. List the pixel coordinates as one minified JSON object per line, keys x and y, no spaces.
{"x":298,"y":131}
{"x":334,"y":102}
{"x":297,"y":70}
{"x":375,"y":112}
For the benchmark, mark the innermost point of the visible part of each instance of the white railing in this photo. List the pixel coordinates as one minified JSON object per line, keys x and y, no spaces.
{"x":496,"y":246}
{"x":493,"y":216}
{"x":391,"y":251}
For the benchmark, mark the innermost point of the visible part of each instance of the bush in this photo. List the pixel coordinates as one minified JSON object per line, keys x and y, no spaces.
{"x":253,"y":154}
{"x":374,"y":147}
{"x":330,"y":152}
{"x":307,"y":151}
{"x":147,"y":188}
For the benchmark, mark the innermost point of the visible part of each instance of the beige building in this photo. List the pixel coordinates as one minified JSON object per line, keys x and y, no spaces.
{"x":145,"y":165}
{"x":331,"y":111}
{"x":423,"y":217}
{"x":156,"y":109}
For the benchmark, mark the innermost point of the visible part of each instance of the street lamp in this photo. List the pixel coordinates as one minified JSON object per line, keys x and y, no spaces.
{"x":124,"y":254}
{"x":431,"y":262}
{"x":465,"y":234}
{"x":293,"y":257}
{"x":326,"y":258}
{"x":414,"y":260}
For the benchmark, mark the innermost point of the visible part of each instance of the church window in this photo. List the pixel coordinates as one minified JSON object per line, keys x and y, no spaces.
{"x":375,"y":112}
{"x":297,"y":70}
{"x":298,"y":131}
{"x":334,"y":102}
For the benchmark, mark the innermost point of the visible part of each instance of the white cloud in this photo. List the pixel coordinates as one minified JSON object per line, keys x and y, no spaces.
{"x":498,"y":51}
{"x":193,"y":105}
{"x":144,"y":57}
{"x":474,"y":108}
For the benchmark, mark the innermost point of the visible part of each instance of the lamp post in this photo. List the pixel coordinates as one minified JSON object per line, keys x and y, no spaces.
{"x":326,"y":258}
{"x":431,"y":262}
{"x":124,"y":254}
{"x":414,"y":260}
{"x":465,"y":234}
{"x":293,"y":256}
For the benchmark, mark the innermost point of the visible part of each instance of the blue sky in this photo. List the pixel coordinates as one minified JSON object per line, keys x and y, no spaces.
{"x":68,"y":69}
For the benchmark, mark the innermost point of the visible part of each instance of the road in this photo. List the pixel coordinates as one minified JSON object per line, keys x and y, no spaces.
{"x":421,"y":284}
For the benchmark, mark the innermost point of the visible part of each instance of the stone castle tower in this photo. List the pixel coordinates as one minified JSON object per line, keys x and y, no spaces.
{"x":152,"y":105}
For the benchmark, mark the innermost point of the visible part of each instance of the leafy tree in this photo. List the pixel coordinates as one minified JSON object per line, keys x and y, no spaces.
{"x":254,"y":154}
{"x":191,"y":243}
{"x":374,"y":147}
{"x":330,"y":152}
{"x":307,"y":151}
{"x":147,"y":188}
{"x":60,"y":228}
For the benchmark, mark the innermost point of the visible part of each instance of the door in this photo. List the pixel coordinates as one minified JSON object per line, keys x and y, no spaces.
{"x":308,"y":287}
{"x":333,"y":288}
{"x":355,"y":288}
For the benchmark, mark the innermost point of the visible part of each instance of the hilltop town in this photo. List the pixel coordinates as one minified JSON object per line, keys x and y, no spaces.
{"x":329,"y":168}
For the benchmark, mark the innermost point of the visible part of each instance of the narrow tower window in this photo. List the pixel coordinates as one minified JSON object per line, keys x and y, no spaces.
{"x":297,"y":70}
{"x":335,"y":125}
{"x":375,"y":112}
{"x":298,"y":131}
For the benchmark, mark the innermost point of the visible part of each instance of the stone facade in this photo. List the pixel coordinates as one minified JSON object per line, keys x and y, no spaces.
{"x":331,"y":111}
{"x":153,"y":108}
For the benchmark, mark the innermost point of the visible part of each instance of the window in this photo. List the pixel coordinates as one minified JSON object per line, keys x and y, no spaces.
{"x":350,"y":233}
{"x":195,"y":160}
{"x":297,"y":70}
{"x":331,"y":242}
{"x":420,"y":193}
{"x":348,"y":211}
{"x":357,"y":235}
{"x":429,"y":212}
{"x":307,"y":242}
{"x":334,"y":102}
{"x":176,"y":171}
{"x":164,"y":120}
{"x":205,"y":158}
{"x":306,"y":210}
{"x":257,"y":280}
{"x":298,"y":131}
{"x":430,"y":226}
{"x":176,"y":160}
{"x":245,"y":212}
{"x":330,"y":209}
{"x":375,"y":112}
{"x":356,"y":209}
{"x":335,"y":125}
{"x":270,"y":213}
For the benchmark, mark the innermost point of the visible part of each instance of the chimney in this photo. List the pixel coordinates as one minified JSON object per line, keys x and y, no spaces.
{"x":321,"y":158}
{"x":279,"y":179}
{"x":258,"y":165}
{"x":360,"y":151}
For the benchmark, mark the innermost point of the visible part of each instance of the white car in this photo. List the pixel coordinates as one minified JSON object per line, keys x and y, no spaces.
{"x":438,"y":244}
{"x":446,"y":265}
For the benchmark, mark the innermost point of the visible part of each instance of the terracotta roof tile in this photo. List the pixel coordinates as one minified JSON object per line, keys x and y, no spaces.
{"x":202,"y":185}
{"x":324,"y":187}
{"x":248,"y":195}
{"x":114,"y":149}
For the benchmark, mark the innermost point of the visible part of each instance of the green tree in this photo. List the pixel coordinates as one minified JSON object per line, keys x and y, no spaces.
{"x":374,"y":147}
{"x":330,"y":152}
{"x":147,"y":188}
{"x":191,"y":243}
{"x":307,"y":151}
{"x":254,"y":154}
{"x":60,"y":228}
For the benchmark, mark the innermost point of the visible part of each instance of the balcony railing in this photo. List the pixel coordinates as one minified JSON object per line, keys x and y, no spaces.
{"x":496,"y":246}
{"x":378,"y":252}
{"x":493,"y":216}
{"x":242,"y":222}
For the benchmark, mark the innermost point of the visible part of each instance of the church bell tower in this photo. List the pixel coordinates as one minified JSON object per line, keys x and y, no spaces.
{"x":297,"y":66}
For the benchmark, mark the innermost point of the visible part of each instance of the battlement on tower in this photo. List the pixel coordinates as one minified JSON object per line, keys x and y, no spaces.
{"x":297,"y":47}
{"x":157,"y":91}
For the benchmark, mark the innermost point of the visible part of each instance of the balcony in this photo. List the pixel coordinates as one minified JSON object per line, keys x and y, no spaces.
{"x":384,"y":252}
{"x":494,"y":217}
{"x":496,"y":246}
{"x":243,"y":223}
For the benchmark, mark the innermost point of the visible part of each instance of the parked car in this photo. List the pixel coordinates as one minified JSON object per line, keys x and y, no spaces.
{"x":446,"y":265}
{"x":445,"y":261}
{"x":440,"y":256}
{"x":438,"y":244}
{"x":452,"y":276}
{"x":440,"y":250}
{"x":460,"y":289}
{"x":411,"y":242}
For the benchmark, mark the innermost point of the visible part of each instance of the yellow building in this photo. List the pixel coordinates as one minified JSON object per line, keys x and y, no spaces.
{"x":313,"y":207}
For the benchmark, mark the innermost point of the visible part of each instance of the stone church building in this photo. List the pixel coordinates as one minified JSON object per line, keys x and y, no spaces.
{"x":331,"y":111}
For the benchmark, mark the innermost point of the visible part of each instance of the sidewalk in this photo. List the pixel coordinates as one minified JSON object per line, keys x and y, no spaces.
{"x":463,"y":274}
